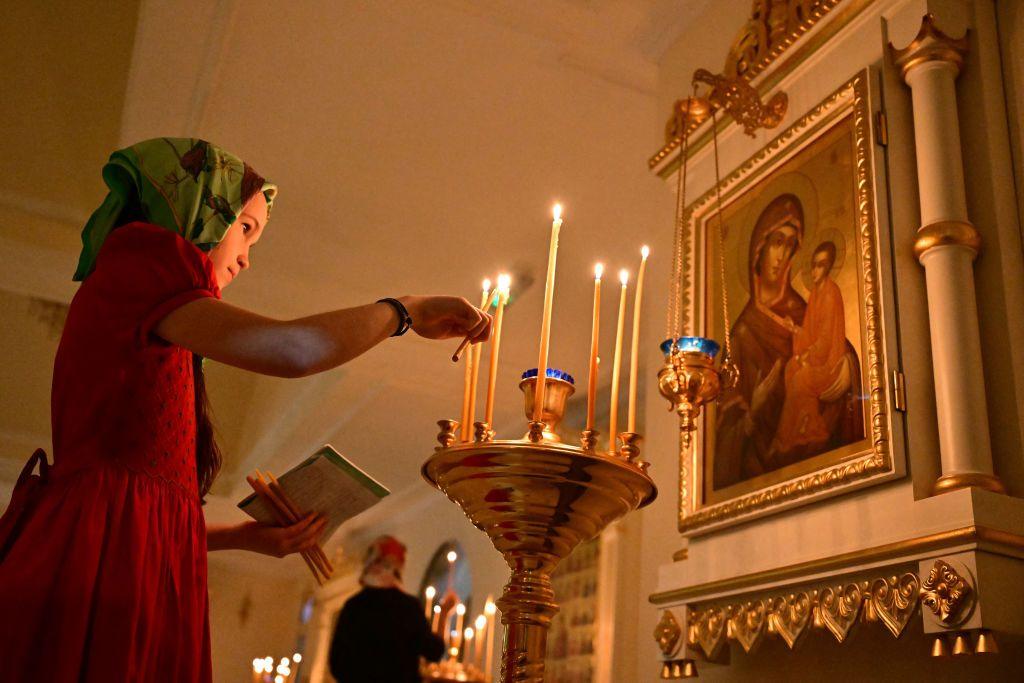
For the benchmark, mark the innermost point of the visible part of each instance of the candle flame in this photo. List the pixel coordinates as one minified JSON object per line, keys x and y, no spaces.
{"x":487,"y":284}
{"x":452,"y":556}
{"x":296,"y":658}
{"x":623,"y":276}
{"x":504,"y":283}
{"x":431,"y":592}
{"x":598,"y":271}
{"x":481,"y":621}
{"x":460,"y":609}
{"x":490,"y":607}
{"x":468,"y":633}
{"x":645,"y":251}
{"x":437,"y":609}
{"x":557,"y":212}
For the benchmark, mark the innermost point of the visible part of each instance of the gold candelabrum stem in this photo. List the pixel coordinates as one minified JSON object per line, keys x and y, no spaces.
{"x":537,"y":499}
{"x":689,"y":380}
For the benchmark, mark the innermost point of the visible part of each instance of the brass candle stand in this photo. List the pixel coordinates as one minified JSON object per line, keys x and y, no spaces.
{"x":537,"y":498}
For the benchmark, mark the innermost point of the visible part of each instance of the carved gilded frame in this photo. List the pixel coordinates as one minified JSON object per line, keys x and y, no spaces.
{"x":876,"y":463}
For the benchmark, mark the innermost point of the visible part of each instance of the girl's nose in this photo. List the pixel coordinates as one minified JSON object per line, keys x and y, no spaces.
{"x":243,"y":261}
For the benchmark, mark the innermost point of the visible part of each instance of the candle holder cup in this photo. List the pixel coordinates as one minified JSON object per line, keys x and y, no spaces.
{"x":558,"y":388}
{"x":537,"y":498}
{"x":690,"y":379}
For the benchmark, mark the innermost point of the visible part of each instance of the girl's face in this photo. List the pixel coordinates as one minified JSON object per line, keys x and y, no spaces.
{"x":231,"y":256}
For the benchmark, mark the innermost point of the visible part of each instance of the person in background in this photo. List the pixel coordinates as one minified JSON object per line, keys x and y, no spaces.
{"x":381,"y":632}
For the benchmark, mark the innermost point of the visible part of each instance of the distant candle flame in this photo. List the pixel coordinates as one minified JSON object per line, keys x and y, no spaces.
{"x":557,"y":212}
{"x":431,"y":592}
{"x":487,"y":284}
{"x":296,"y":658}
{"x":504,"y":283}
{"x":460,"y":609}
{"x":490,"y":607}
{"x":481,"y":621}
{"x":623,"y":276}
{"x":437,"y":609}
{"x":645,"y":251}
{"x":452,"y":556}
{"x":468,"y":633}
{"x":598,"y":271}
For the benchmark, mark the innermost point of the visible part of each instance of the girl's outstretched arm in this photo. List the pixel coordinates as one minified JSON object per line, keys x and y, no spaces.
{"x":305,"y":346}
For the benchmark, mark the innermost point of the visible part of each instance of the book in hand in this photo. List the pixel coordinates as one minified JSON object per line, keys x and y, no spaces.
{"x":326,"y":483}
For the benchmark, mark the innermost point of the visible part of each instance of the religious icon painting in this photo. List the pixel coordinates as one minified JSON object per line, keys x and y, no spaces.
{"x":804,"y":277}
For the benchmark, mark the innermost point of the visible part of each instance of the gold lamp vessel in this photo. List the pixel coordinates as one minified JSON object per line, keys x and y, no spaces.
{"x":537,"y":498}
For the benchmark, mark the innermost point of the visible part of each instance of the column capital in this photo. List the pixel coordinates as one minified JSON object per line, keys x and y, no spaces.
{"x":930,"y":45}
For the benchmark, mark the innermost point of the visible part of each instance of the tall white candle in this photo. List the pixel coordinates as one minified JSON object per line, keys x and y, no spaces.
{"x":473,"y":365}
{"x":428,"y":603}
{"x":634,"y":352}
{"x":478,"y":646}
{"x":616,"y":367}
{"x":504,"y":282}
{"x":489,"y":609}
{"x":545,"y":322}
{"x":594,"y":334}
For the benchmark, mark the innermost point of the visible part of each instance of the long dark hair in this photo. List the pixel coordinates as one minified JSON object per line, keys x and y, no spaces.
{"x":208,"y":456}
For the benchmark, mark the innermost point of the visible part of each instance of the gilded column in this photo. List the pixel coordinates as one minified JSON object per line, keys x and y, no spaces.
{"x":946,"y":245}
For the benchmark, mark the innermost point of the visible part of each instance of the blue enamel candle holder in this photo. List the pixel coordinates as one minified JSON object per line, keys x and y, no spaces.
{"x":558,"y":387}
{"x":689,"y":379}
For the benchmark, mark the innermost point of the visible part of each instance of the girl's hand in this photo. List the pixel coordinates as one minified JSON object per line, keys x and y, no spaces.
{"x":278,"y":541}
{"x":444,"y":317}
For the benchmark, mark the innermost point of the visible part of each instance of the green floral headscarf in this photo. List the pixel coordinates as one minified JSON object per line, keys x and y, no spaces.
{"x":185,"y":185}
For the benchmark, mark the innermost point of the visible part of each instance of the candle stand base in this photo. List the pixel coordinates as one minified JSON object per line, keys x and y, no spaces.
{"x":536,"y":501}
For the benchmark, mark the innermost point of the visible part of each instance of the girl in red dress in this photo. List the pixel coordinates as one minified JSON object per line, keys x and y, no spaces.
{"x":103,"y":572}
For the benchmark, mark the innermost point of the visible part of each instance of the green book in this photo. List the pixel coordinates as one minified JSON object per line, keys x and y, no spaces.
{"x":326,"y":482}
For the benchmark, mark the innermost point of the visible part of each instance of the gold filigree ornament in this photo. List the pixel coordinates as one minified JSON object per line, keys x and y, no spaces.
{"x":895,"y":601}
{"x":747,"y":624}
{"x":742,"y":101}
{"x":789,"y":617}
{"x":668,"y":633}
{"x":711,"y":631}
{"x":838,"y":608}
{"x":947,"y":593}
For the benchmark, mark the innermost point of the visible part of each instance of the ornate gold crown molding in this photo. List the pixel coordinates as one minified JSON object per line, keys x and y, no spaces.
{"x":990,"y":540}
{"x":773,"y":28}
{"x":838,"y":608}
{"x":948,"y":593}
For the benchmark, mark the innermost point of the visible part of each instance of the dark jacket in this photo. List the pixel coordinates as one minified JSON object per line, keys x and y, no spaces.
{"x":379,"y":638}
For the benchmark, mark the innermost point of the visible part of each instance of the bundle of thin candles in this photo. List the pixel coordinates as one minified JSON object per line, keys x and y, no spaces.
{"x":267,"y":487}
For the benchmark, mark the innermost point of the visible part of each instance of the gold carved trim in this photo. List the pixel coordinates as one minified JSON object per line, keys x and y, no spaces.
{"x":963,"y":480}
{"x":947,"y":593}
{"x":930,"y":45}
{"x":757,"y":63}
{"x":851,"y":98}
{"x":891,"y":600}
{"x":946,"y":233}
{"x":1002,"y":542}
{"x":667,"y":633}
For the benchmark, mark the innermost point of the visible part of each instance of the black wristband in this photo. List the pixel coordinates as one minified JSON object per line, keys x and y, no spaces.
{"x":404,"y":320}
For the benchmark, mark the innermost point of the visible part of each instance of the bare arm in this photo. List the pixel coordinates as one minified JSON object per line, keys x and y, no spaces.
{"x":267,"y":539}
{"x":305,"y":346}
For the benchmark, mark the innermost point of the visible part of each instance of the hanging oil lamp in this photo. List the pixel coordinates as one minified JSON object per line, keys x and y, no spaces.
{"x":694,"y":373}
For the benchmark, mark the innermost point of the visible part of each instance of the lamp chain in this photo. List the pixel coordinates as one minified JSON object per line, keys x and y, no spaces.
{"x":721,"y":241}
{"x":674,"y":324}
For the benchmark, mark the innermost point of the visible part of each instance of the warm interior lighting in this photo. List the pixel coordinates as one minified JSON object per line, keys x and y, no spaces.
{"x":623,"y":276}
{"x":452,"y":555}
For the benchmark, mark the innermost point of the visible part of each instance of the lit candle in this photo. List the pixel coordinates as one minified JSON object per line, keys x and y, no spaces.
{"x":594,"y":334}
{"x":257,"y":670}
{"x":474,"y":363}
{"x":429,"y":602}
{"x":451,"y":557}
{"x":436,"y":621}
{"x":478,"y":647}
{"x":504,"y":282}
{"x":460,"y":614}
{"x":489,"y":609}
{"x":469,"y":388}
{"x":616,"y":363}
{"x":634,"y":352}
{"x":545,"y":321}
{"x":467,"y":636}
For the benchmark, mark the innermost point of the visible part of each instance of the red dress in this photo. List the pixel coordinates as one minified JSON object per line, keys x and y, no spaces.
{"x":107,"y":581}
